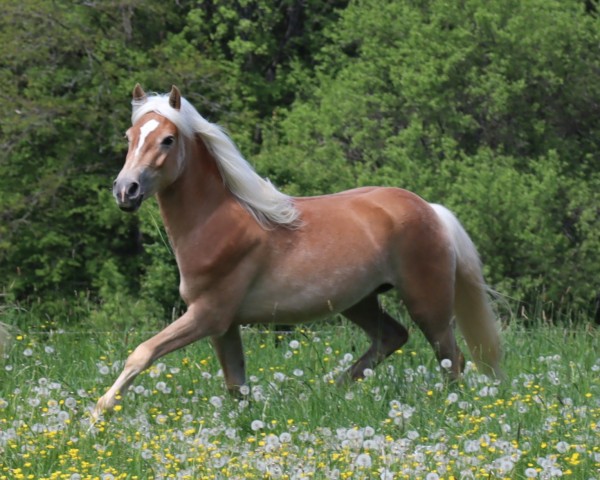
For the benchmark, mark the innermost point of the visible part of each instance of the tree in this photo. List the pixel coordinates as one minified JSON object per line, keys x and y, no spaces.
{"x":490,"y":109}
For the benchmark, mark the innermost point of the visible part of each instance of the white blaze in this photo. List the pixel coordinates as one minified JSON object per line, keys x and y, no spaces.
{"x":145,"y":130}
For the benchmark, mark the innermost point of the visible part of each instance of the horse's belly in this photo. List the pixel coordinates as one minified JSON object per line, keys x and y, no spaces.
{"x":306,"y":297}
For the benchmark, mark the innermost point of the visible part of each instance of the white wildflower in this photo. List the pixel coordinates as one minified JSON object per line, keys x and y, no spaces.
{"x":363,"y":461}
{"x":257,"y":425}
{"x":446,"y":363}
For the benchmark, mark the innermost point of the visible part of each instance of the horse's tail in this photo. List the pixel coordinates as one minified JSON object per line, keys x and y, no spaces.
{"x":474,"y":314}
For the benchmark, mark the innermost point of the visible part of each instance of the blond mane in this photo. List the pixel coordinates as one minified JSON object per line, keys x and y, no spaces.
{"x":268,"y":205}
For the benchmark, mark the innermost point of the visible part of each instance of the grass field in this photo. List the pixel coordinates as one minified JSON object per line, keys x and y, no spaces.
{"x":401,"y":422}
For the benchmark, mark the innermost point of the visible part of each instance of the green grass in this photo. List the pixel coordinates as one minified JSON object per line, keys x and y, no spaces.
{"x":403,"y":422}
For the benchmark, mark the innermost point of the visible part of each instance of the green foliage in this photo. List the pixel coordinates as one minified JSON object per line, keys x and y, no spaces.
{"x":488,"y":108}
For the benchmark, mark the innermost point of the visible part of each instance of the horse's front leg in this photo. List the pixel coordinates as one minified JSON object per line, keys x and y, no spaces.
{"x":195,"y":324}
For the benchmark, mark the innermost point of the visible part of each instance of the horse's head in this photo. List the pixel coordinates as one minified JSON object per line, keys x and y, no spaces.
{"x":155,"y":153}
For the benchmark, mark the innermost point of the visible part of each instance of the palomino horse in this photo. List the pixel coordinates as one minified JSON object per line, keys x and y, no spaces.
{"x":249,"y":254}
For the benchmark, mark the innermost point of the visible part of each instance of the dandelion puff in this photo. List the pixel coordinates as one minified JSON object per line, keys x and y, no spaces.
{"x":446,"y":363}
{"x":452,"y":397}
{"x":531,"y":473}
{"x":368,"y":372}
{"x":285,"y":437}
{"x":161,"y":386}
{"x":294,"y":344}
{"x":28,"y":352}
{"x":146,"y":454}
{"x":298,"y":372}
{"x":104,"y":370}
{"x":432,"y":476}
{"x":506,"y":465}
{"x":48,"y":349}
{"x":363,"y":461}
{"x":562,"y":447}
{"x":257,"y":425}
{"x":63,"y":417}
{"x":216,"y":402}
{"x":244,"y":390}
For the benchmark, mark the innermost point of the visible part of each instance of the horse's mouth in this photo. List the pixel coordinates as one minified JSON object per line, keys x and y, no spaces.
{"x":131,"y":206}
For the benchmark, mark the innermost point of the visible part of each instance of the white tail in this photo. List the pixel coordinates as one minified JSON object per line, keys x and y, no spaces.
{"x":474,"y":314}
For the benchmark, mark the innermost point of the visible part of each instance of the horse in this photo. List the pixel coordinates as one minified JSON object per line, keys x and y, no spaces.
{"x":247,"y":253}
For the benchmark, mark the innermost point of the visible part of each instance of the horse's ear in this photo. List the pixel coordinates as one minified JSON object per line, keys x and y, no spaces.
{"x":138,"y":94}
{"x":175,"y":98}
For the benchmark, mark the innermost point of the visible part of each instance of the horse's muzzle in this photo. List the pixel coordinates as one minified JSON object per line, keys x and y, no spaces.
{"x":128,"y":194}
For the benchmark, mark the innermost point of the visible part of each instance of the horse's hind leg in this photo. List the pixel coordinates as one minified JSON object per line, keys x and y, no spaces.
{"x":230,"y":353}
{"x":429,"y":299}
{"x":385,"y":333}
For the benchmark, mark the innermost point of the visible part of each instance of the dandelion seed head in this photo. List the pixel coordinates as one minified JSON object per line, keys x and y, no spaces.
{"x":363,"y":460}
{"x":446,"y":363}
{"x":244,"y":390}
{"x":562,"y":447}
{"x":531,"y":473}
{"x":257,"y":425}
{"x":452,"y":397}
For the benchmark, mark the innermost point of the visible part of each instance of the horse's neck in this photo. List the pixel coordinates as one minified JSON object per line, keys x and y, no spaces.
{"x":195,"y":196}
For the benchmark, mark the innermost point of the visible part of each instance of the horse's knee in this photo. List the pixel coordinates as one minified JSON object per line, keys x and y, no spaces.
{"x":139,"y":359}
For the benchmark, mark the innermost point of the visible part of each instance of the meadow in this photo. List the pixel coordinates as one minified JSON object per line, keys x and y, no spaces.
{"x":404,"y":421}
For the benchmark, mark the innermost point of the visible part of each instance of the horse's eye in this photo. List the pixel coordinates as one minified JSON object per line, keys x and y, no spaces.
{"x":168,"y":141}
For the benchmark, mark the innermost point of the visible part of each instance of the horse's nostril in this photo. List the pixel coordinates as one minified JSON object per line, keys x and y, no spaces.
{"x":133,"y":189}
